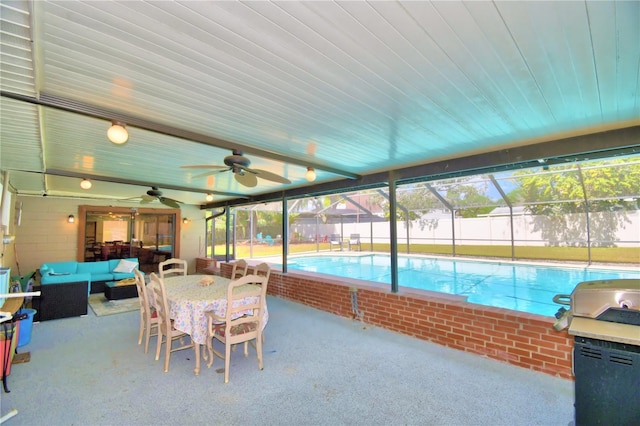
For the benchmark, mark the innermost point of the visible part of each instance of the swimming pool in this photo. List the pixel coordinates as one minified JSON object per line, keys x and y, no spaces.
{"x":516,"y":286}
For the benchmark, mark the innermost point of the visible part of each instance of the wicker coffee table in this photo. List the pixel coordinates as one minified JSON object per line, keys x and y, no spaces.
{"x":113,"y":291}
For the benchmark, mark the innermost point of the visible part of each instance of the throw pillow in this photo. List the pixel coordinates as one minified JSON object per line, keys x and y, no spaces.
{"x":126,"y":266}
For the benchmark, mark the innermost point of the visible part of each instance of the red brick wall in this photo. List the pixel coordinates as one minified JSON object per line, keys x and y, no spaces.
{"x":522,"y":339}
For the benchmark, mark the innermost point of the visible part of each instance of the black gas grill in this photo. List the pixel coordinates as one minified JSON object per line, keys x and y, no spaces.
{"x":604,"y":317}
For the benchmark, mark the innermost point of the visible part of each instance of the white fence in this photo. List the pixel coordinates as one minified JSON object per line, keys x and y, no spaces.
{"x":491,"y":230}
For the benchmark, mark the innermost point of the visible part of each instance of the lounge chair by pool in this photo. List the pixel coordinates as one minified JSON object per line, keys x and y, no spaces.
{"x":335,"y":240}
{"x":354,"y":241}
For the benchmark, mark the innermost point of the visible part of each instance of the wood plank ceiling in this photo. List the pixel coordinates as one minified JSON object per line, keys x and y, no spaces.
{"x":350,"y":88}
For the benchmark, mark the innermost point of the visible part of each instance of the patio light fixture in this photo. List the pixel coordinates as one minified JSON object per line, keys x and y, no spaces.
{"x":311,"y":174}
{"x":117,"y":133}
{"x":209,"y":197}
{"x":71,"y":218}
{"x":86,"y":184}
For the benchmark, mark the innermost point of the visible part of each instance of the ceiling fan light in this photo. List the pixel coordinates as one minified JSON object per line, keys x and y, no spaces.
{"x":117,"y":133}
{"x":86,"y":184}
{"x":209,"y":197}
{"x":311,"y":174}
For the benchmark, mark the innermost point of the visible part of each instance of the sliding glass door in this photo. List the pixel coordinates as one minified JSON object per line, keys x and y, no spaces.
{"x":150,"y":235}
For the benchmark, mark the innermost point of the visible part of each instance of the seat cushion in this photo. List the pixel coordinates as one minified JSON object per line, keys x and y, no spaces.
{"x":94,"y":268}
{"x":67,"y":278}
{"x":220,"y":329}
{"x":59,"y":267}
{"x":106,"y":276}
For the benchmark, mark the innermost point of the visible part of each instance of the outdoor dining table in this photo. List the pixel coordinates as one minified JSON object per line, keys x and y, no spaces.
{"x":189,"y":300}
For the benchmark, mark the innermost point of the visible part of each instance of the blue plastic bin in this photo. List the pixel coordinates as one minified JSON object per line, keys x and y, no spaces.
{"x":24,"y":335}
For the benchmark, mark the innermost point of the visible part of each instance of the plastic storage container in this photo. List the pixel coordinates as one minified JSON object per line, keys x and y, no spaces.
{"x":24,"y":336}
{"x":4,"y":282}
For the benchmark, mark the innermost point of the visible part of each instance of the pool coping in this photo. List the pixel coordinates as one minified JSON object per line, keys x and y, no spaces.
{"x":557,"y":264}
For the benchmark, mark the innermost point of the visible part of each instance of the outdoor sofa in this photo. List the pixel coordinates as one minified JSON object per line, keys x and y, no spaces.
{"x":65,"y":286}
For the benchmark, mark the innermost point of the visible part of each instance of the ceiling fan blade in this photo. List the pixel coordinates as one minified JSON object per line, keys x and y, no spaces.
{"x":246,"y":179}
{"x":212,"y":172}
{"x":269,"y":176}
{"x":170,"y":202}
{"x":204,"y":166}
{"x":146,"y":199}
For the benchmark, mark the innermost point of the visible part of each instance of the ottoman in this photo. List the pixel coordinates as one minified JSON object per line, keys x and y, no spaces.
{"x":115,"y":290}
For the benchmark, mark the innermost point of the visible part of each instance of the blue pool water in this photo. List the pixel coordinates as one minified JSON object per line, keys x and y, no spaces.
{"x":525,"y":288}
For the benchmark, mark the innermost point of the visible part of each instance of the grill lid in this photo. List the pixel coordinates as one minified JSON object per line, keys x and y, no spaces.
{"x":607,"y":300}
{"x":592,"y":298}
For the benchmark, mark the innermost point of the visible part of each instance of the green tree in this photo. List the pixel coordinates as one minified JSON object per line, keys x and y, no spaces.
{"x":411,"y":200}
{"x":557,"y":199}
{"x":414,"y":201}
{"x":469,"y":200}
